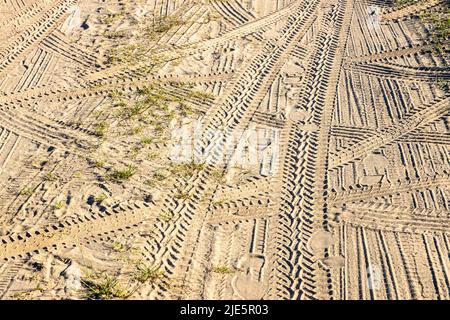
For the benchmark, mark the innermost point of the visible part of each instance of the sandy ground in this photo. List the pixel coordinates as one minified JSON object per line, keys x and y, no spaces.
{"x":223,"y":149}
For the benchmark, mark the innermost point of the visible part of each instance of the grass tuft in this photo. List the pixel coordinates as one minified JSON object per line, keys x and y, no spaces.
{"x":50,"y":177}
{"x":120,"y":175}
{"x":26,"y":191}
{"x":146,"y":273}
{"x":223,"y":270}
{"x":106,"y":288}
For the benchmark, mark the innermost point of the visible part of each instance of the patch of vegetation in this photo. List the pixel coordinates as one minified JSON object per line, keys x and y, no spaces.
{"x":401,"y":3}
{"x":186,"y":170}
{"x":59,"y":205}
{"x":101,"y":129}
{"x":118,"y":246}
{"x":153,"y":155}
{"x":144,"y":273}
{"x":116,"y":94}
{"x":156,"y":177}
{"x":100,"y":198}
{"x":161,"y":25}
{"x":114,"y":35}
{"x":102,"y":286}
{"x":120,"y":175}
{"x":50,"y":177}
{"x":112,"y":17}
{"x":200,"y":95}
{"x":217,"y":202}
{"x":185,"y":110}
{"x":223,"y":270}
{"x":22,"y":295}
{"x":130,"y":112}
{"x":105,"y":288}
{"x":165,"y":217}
{"x":150,"y":109}
{"x":99,"y":164}
{"x":439,"y":21}
{"x":442,"y":82}
{"x":26,"y":191}
{"x":183,"y":196}
{"x":128,"y":53}
{"x":147,"y":140}
{"x":217,"y":175}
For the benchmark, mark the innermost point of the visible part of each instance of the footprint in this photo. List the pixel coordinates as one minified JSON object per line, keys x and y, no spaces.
{"x":298,"y":115}
{"x":309,"y":127}
{"x":272,"y":34}
{"x":250,"y":283}
{"x":335,"y":262}
{"x":320,"y":241}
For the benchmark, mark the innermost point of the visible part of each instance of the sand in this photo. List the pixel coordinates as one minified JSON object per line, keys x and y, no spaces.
{"x":223,"y":149}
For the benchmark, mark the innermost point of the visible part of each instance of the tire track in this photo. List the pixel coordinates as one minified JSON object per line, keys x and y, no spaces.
{"x":303,"y":209}
{"x":398,"y":72}
{"x":358,"y":134}
{"x":21,"y":45}
{"x":378,"y":216}
{"x":426,"y":47}
{"x":384,"y":190}
{"x":412,"y":122}
{"x":70,"y":231}
{"x":257,"y":76}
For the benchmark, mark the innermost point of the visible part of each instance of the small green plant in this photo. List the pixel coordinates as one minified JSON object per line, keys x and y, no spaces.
{"x":118,"y":246}
{"x":159,"y":176}
{"x":26,"y":191}
{"x":183,"y":196}
{"x":186,"y":170}
{"x":50,"y":177}
{"x":23,"y":295}
{"x":125,"y":54}
{"x":200,"y":95}
{"x":100,"y":198}
{"x":116,"y":94}
{"x":150,"y":183}
{"x":161,"y":25}
{"x":99,"y":164}
{"x":101,"y":128}
{"x":114,"y":35}
{"x":130,"y":112}
{"x":147,"y":140}
{"x":217,"y":175}
{"x":223,"y":270}
{"x":136,"y":130}
{"x":156,"y":177}
{"x":112,"y":17}
{"x":120,"y":175}
{"x":166,"y":217}
{"x":39,"y":287}
{"x":105,"y":288}
{"x":399,"y":3}
{"x":144,"y":273}
{"x":59,"y":205}
{"x":217,"y":202}
{"x":442,"y":82}
{"x":153,"y":155}
{"x":185,"y":110}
